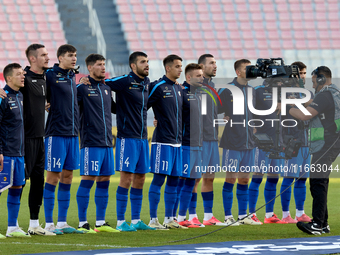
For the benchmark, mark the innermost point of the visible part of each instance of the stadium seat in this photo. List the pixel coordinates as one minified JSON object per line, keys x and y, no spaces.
{"x":27,"y":18}
{"x":23,"y":9}
{"x":6,"y":36}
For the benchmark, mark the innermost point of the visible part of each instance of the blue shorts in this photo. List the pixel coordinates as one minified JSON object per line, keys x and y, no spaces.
{"x":18,"y":166}
{"x":97,"y":161}
{"x":166,"y":159}
{"x":298,"y":166}
{"x":265,"y":165}
{"x":132,"y":155}
{"x":62,"y":152}
{"x":238,"y":161}
{"x":192,"y":162}
{"x":211,"y":155}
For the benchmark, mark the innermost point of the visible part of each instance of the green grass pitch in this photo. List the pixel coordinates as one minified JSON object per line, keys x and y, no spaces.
{"x":39,"y":244}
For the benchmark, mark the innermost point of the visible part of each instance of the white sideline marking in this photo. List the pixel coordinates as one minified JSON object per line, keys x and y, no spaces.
{"x":77,"y":244}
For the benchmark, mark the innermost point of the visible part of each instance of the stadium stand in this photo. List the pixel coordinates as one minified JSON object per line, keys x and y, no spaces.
{"x":231,"y":29}
{"x":23,"y":22}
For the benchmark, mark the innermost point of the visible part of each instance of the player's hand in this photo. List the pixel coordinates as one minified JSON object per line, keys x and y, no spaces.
{"x":85,"y":80}
{"x":3,"y":94}
{"x":155,"y":122}
{"x":226,"y":118}
{"x":254,"y":131}
{"x":47,"y":107}
{"x":1,"y":162}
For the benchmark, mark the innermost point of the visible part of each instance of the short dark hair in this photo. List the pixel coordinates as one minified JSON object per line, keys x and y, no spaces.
{"x":31,"y":50}
{"x":93,"y":58}
{"x":63,"y":49}
{"x":133,"y":57}
{"x":202,"y":58}
{"x":325,"y":71}
{"x":170,"y":59}
{"x":192,"y":67}
{"x":299,"y":64}
{"x":240,"y":62}
{"x":8,"y":70}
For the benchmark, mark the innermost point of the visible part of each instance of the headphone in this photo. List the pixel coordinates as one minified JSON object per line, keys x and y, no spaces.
{"x":320,"y":78}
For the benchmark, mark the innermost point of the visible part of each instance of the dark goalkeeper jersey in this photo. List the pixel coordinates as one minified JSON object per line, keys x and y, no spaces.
{"x":34,"y":93}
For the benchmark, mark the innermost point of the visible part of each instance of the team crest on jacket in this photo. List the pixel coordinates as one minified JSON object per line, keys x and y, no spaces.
{"x":179,"y":93}
{"x":106,"y":92}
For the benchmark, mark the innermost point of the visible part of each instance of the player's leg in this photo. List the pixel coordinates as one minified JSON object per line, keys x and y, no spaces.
{"x":138,"y":180}
{"x":55,"y":154}
{"x":270,"y":193}
{"x":101,"y":196}
{"x":190,"y":159}
{"x":242,"y":192}
{"x":193,"y":204}
{"x":253,"y":190}
{"x":83,"y":199}
{"x":154,"y":198}
{"x":70,"y":164}
{"x":37,"y":190}
{"x":88,"y":165}
{"x":210,"y":159}
{"x":286,"y":191}
{"x":178,"y":192}
{"x":126,"y":161}
{"x":13,"y":198}
{"x":300,"y":187}
{"x":230,"y":162}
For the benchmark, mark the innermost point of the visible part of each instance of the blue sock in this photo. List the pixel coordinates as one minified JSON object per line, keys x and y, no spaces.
{"x":242,"y":198}
{"x":193,"y":203}
{"x":179,"y":188}
{"x":121,"y":202}
{"x":83,"y":198}
{"x":170,"y":193}
{"x":270,"y":193}
{"x":155,"y":193}
{"x":136,"y":198}
{"x":185,"y":196}
{"x":253,"y":193}
{"x":64,"y":196}
{"x":49,"y":197}
{"x":101,"y":198}
{"x":285,"y":196}
{"x":300,"y":193}
{"x":13,"y":206}
{"x":208,"y":201}
{"x":227,"y":196}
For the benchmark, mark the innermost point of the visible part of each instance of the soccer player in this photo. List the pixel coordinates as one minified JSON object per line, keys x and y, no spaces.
{"x":210,"y":147}
{"x":192,"y":140}
{"x":61,"y":142}
{"x":34,"y":93}
{"x":296,"y":168}
{"x":12,"y":143}
{"x":96,"y":162}
{"x":238,"y":148}
{"x":132,"y":150}
{"x":166,"y":154}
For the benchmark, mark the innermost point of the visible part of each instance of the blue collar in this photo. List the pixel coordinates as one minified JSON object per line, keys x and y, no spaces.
{"x":168,"y":81}
{"x":10,"y":90}
{"x":58,"y":69}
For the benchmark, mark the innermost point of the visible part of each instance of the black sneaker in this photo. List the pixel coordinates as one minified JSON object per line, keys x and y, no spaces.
{"x":311,"y":228}
{"x":326,"y":229}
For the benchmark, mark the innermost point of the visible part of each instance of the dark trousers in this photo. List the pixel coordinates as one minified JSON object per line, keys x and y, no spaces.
{"x":35,"y":164}
{"x":319,"y":182}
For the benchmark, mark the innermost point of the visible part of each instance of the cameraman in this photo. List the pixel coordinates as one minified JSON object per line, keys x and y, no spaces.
{"x":297,"y":166}
{"x":324,"y":145}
